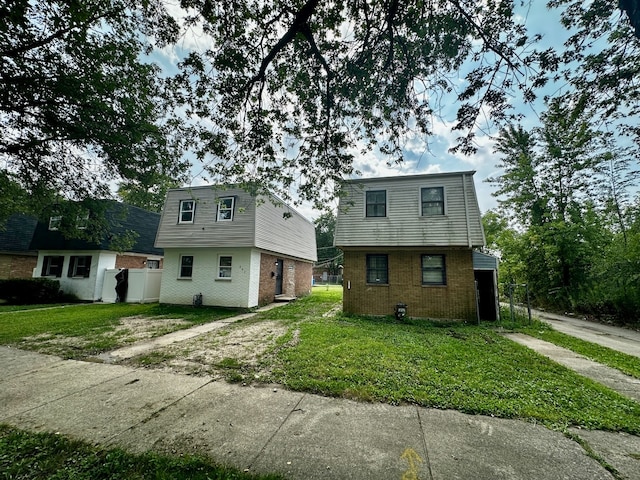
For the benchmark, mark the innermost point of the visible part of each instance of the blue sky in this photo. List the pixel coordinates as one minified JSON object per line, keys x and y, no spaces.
{"x":431,"y":155}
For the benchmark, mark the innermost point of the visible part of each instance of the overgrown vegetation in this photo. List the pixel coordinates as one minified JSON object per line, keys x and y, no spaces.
{"x":34,"y":456}
{"x":568,"y":225}
{"x":24,"y":291}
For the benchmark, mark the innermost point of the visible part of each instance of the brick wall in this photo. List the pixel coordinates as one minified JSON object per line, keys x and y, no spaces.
{"x":267,"y":289}
{"x":17,"y":266}
{"x":455,"y":300}
{"x":296,"y":278}
{"x":132,"y":261}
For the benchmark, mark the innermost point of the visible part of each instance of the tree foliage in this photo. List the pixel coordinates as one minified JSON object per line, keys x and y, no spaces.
{"x":563,"y":184}
{"x":293,"y":90}
{"x":78,"y":105}
{"x":283,"y":94}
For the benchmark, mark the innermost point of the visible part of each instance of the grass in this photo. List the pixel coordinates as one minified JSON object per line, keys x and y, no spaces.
{"x":48,"y":456}
{"x":469,"y":368}
{"x":627,"y":364}
{"x":463,"y":367}
{"x":92,"y":326}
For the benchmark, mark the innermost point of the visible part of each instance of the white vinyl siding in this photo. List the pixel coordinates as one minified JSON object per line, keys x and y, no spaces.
{"x":404,"y":224}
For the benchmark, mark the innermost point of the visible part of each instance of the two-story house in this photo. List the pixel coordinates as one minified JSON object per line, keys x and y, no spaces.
{"x":226,"y":247}
{"x":410,"y":239}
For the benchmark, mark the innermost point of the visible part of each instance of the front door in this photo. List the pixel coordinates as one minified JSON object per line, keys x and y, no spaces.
{"x":487,"y":299}
{"x":279,"y":272}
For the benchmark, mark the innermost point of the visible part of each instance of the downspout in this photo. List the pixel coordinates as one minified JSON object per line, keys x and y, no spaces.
{"x":466,"y":209}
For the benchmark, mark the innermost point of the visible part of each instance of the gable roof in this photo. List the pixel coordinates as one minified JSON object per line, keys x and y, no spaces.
{"x":16,"y":234}
{"x":120,"y":219}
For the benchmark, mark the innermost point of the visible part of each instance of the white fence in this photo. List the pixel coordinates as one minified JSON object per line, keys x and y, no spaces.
{"x":144,"y":285}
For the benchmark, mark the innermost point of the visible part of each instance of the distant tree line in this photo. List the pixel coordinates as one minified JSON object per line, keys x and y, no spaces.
{"x":568,"y":222}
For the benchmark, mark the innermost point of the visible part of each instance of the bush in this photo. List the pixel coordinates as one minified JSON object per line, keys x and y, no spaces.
{"x":25,"y":291}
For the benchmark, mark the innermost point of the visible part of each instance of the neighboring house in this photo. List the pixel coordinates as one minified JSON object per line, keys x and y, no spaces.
{"x":17,"y":260}
{"x":233,"y":249}
{"x":410,"y":240}
{"x":80,"y":265}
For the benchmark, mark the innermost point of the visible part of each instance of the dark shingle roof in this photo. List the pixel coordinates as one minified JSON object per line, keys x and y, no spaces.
{"x":120,"y":218}
{"x":16,"y":234}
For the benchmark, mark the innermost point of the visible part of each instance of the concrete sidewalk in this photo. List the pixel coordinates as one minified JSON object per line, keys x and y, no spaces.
{"x":621,"y":339}
{"x":301,"y":436}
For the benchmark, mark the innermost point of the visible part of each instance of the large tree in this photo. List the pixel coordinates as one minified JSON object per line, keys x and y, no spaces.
{"x":292,"y":90}
{"x":283,"y":94}
{"x":79,"y":105}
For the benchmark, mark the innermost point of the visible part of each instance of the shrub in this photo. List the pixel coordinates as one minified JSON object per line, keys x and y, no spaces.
{"x":25,"y":291}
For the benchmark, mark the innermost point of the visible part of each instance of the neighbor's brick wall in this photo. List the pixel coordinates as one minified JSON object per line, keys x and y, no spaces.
{"x":456,"y":300}
{"x":17,"y":266}
{"x":132,"y":261}
{"x":296,"y":278}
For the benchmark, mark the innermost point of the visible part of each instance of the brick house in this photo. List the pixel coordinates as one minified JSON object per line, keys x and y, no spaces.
{"x":234,"y":249}
{"x":411,"y":240}
{"x":80,"y":265}
{"x":17,"y":259}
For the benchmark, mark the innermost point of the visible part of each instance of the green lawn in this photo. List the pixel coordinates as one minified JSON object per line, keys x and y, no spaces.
{"x":468,"y":368}
{"x":47,"y":456}
{"x":92,"y":326}
{"x":457,"y":366}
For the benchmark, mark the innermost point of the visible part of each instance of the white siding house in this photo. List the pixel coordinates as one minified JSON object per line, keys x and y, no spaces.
{"x":80,"y":265}
{"x":232,"y":248}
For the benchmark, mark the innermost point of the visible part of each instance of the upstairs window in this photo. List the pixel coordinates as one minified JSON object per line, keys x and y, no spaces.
{"x":432,"y":199}
{"x":187,"y":211}
{"x":54,"y":222}
{"x":377,"y":269}
{"x":433,"y":270}
{"x":79,"y":266}
{"x":52,"y":266}
{"x":224,"y":267}
{"x":82,"y":221}
{"x":225,"y":209}
{"x":376,"y":201}
{"x":186,"y":266}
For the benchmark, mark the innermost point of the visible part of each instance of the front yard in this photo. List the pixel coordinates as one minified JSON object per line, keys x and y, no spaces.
{"x":311,"y":346}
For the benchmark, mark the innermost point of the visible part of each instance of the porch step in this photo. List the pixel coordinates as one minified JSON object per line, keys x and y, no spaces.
{"x":284,"y":298}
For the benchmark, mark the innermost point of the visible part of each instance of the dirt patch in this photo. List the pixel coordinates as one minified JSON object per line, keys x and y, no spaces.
{"x":129,"y":330}
{"x":235,"y":353}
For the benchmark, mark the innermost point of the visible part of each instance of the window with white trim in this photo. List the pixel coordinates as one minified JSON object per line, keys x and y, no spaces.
{"x":52,"y":266}
{"x":224,"y":266}
{"x":432,"y":201}
{"x":433,"y":270}
{"x":54,"y":222}
{"x":376,"y":203}
{"x":225,"y":209}
{"x":79,"y":266}
{"x":153,"y":264}
{"x":186,"y":266}
{"x":187,"y":211}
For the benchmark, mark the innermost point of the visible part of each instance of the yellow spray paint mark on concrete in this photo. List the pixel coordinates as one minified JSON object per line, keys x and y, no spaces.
{"x":413,"y":459}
